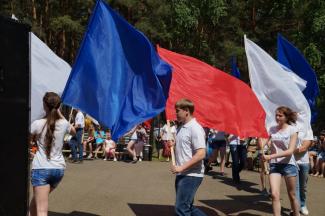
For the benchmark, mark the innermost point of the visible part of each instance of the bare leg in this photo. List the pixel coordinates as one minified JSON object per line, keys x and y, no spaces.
{"x":84,"y":147}
{"x":97,"y":149}
{"x":41,"y":195}
{"x":275,"y":183}
{"x":317,"y":167}
{"x":291,"y":189}
{"x":114,"y":155}
{"x":160,"y":151}
{"x":90,"y":150}
{"x":222,"y":159}
{"x":130,"y":149}
{"x":139,"y":148}
{"x":262,"y":175}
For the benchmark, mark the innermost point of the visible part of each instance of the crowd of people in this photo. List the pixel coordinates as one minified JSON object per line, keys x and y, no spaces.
{"x":289,"y":152}
{"x":96,"y":141}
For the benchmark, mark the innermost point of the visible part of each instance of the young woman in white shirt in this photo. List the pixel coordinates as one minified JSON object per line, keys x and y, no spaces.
{"x":283,"y":139}
{"x":48,"y":162}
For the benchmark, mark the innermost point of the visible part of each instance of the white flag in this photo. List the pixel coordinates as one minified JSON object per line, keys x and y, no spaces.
{"x":49,"y":73}
{"x":275,"y":87}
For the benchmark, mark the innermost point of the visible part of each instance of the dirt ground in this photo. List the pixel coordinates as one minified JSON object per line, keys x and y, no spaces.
{"x":147,"y":189}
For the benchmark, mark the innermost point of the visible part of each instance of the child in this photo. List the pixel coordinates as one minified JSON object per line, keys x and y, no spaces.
{"x":89,"y":141}
{"x":109,"y":146}
{"x":320,"y":163}
{"x":100,"y":138}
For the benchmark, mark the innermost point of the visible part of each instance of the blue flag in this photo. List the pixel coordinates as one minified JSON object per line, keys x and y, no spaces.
{"x":234,"y":69}
{"x":292,"y":58}
{"x":118,"y":78}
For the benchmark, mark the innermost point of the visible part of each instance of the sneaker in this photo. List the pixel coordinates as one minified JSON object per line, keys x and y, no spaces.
{"x":89,"y":156}
{"x":140,"y":159}
{"x":114,"y":159}
{"x":304,"y":210}
{"x":105,"y":159}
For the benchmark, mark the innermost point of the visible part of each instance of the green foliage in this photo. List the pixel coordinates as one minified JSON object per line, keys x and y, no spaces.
{"x":210,"y":30}
{"x":65,"y":23}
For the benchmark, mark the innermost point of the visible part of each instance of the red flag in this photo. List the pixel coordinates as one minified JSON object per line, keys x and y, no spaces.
{"x":221,"y":101}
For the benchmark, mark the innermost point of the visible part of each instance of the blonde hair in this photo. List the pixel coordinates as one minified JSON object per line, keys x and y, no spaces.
{"x":185,"y":104}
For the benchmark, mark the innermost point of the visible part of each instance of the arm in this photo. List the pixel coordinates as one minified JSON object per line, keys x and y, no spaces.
{"x":131,"y":131}
{"x":72,"y":130}
{"x":197,"y":157}
{"x":286,"y":153}
{"x":304,"y":147}
{"x":114,"y":144}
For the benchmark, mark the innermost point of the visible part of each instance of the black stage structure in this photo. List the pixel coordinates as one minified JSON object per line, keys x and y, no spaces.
{"x":15,"y":116}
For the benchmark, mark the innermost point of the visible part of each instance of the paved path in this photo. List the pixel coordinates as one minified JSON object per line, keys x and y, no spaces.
{"x":147,"y":189}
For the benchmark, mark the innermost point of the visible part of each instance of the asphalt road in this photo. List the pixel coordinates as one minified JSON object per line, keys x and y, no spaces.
{"x":147,"y":189}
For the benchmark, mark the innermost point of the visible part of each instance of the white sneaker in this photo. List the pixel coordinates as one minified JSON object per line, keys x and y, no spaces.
{"x":140,"y":159}
{"x":115,"y":159}
{"x":304,"y":210}
{"x":105,"y":159}
{"x":90,"y":156}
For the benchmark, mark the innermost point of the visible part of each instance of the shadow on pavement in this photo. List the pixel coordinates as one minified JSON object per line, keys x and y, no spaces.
{"x":162,"y":210}
{"x":240,"y":203}
{"x":244,"y":185}
{"x":74,"y":213}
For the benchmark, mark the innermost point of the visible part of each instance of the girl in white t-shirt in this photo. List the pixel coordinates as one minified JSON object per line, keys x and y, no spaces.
{"x":48,"y":162}
{"x":168,"y":133}
{"x":109,"y":146}
{"x":283,"y":139}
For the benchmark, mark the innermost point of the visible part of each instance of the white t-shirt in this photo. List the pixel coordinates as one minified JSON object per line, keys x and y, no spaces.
{"x":190,"y":137}
{"x":233,"y":140}
{"x":280,"y":142}
{"x":302,"y":158}
{"x":109,"y":143}
{"x":168,"y":135}
{"x":56,"y":161}
{"x":80,"y":119}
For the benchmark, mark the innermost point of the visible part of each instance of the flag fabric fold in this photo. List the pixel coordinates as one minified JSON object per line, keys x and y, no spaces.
{"x":221,"y":101}
{"x":48,"y":73}
{"x":289,"y":56}
{"x":117,"y":78}
{"x":274,"y":86}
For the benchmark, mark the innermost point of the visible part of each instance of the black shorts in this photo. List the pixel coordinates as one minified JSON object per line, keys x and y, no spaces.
{"x":218,"y":144}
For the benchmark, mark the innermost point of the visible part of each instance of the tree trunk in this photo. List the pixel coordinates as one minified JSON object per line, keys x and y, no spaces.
{"x":253,"y":17}
{"x":34,"y":10}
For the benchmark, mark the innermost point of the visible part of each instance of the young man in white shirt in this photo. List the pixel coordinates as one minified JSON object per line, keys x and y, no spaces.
{"x":76,"y":141}
{"x":189,"y":154}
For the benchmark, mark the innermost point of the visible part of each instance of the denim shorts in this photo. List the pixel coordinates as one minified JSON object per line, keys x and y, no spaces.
{"x":288,"y":170}
{"x":41,"y":177}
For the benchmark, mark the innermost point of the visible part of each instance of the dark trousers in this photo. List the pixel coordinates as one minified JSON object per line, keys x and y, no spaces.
{"x":238,"y":155}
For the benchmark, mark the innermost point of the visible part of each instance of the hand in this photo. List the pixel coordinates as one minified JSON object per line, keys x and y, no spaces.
{"x":31,"y":154}
{"x":171,"y":143}
{"x":176,"y":169}
{"x":266,"y":157}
